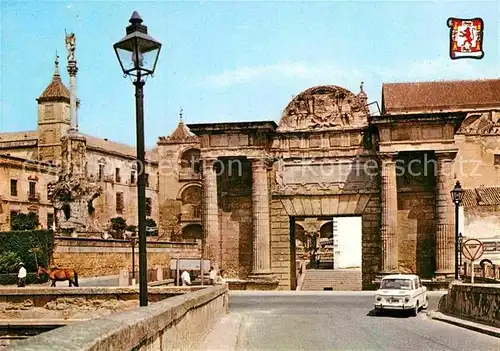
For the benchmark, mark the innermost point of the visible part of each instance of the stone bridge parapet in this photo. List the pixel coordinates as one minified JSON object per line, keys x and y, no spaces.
{"x":476,"y":302}
{"x":174,"y":323}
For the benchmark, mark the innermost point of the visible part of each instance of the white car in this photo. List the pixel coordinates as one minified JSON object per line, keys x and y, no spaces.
{"x":401,"y":292}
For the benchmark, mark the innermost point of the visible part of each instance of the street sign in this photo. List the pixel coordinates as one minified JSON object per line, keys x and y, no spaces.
{"x":472,"y":249}
{"x":189,"y":264}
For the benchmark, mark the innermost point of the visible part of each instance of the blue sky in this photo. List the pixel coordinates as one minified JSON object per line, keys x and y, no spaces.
{"x":228,"y":61}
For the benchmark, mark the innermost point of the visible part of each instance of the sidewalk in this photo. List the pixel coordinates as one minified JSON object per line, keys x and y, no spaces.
{"x":226,"y":334}
{"x":464,"y":323}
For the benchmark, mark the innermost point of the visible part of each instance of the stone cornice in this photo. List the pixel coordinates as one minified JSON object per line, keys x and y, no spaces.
{"x":15,"y":144}
{"x":232,"y":127}
{"x":431,"y":118}
{"x":27,"y":164}
{"x":118,"y":154}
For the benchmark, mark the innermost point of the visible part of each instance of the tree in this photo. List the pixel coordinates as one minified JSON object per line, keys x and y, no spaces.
{"x":9,"y":262}
{"x":151,"y":229}
{"x":118,"y":226}
{"x":23,"y":221}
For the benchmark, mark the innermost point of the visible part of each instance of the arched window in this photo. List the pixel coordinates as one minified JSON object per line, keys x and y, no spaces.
{"x":326,"y":230}
{"x":191,"y":202}
{"x":192,"y":232}
{"x":190,"y":159}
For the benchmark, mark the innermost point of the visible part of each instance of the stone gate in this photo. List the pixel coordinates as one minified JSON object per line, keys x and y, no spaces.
{"x":329,"y":157}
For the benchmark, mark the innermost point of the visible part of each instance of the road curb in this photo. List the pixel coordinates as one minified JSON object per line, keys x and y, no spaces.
{"x":481,"y":328}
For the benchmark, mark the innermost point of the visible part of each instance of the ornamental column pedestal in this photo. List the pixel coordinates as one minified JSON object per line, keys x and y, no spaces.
{"x":389,"y":214}
{"x":445,"y":221}
{"x":210,"y":217}
{"x":260,"y":218}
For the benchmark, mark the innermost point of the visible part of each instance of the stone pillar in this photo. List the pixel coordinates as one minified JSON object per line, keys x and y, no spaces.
{"x":389,"y":214}
{"x":260,"y":219}
{"x":445,"y":220}
{"x":210,"y":217}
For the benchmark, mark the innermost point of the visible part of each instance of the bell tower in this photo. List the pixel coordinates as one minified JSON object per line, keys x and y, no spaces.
{"x":53,"y":118}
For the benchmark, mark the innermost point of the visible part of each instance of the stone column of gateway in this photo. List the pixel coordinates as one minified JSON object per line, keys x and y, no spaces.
{"x":260,"y":219}
{"x":445,"y":220}
{"x":210,"y":216}
{"x":389,"y":214}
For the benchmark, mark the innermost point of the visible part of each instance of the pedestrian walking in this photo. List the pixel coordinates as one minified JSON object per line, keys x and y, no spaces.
{"x":185,"y":278}
{"x":21,"y":276}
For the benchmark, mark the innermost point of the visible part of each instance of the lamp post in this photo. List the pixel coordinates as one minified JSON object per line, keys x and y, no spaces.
{"x":460,"y":240}
{"x":133,"y":240}
{"x":457,"y":195}
{"x":138,"y":54}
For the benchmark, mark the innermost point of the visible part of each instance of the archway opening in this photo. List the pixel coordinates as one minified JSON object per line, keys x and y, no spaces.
{"x":190,"y":161}
{"x":325,"y":243}
{"x":192,"y":233}
{"x":191,"y":202}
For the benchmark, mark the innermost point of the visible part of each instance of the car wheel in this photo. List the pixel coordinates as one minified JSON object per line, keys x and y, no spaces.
{"x":414,"y":310}
{"x":426,"y":304}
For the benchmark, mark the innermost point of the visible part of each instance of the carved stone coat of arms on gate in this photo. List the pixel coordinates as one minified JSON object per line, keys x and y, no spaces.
{"x":325,"y":107}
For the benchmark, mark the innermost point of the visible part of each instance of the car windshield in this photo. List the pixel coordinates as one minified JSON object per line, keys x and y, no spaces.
{"x":397,"y":284}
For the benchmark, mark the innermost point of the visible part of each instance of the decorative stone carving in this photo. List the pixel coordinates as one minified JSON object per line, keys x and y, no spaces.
{"x":71,"y":46}
{"x":477,"y":123}
{"x":325,"y":107}
{"x":73,"y":193}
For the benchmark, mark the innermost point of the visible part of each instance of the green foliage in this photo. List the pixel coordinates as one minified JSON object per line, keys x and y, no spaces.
{"x":131,"y":228}
{"x":23,"y":221}
{"x":9,"y":262}
{"x":33,"y":247}
{"x":151,"y":229}
{"x":118,"y":226}
{"x":150,"y":222}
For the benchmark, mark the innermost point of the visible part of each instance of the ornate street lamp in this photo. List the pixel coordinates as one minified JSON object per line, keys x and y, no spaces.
{"x":138,"y":54}
{"x":457,"y":195}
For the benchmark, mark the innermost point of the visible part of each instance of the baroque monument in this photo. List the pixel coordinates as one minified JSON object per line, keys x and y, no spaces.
{"x":72,"y":194}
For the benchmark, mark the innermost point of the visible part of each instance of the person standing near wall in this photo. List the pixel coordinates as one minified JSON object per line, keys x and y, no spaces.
{"x":21,"y":276}
{"x":185,"y":278}
{"x":212,"y":276}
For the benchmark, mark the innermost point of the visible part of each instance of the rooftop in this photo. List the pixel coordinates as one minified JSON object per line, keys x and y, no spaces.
{"x":440,"y":96}
{"x":56,"y":90}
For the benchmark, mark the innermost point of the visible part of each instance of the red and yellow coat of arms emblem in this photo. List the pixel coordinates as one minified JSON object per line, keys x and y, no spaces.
{"x":466,"y":38}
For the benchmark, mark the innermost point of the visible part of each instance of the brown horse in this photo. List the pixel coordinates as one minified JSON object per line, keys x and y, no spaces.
{"x":59,"y":274}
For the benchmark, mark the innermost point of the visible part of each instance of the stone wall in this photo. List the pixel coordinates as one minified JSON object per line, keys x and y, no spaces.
{"x":478,"y":302}
{"x":98,"y":257}
{"x":44,"y":303}
{"x":175,"y":323}
{"x":234,"y":255}
{"x":482,"y":221}
{"x":416,"y":213}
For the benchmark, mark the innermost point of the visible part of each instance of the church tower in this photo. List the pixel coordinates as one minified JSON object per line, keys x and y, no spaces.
{"x":53,"y":118}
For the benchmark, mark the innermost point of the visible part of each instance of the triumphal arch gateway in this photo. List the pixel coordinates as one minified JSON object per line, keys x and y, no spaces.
{"x":329,"y":157}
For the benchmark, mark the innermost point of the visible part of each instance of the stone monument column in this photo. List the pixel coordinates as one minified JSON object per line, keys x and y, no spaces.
{"x":210,"y":217}
{"x":389,"y":214}
{"x":445,"y":220}
{"x":72,"y":70}
{"x":260,"y":220}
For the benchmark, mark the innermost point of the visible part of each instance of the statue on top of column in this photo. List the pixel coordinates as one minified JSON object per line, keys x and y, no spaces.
{"x":70,"y":45}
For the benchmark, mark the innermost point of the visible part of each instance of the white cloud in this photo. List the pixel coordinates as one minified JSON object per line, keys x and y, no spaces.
{"x":330,"y":74}
{"x":440,"y":69}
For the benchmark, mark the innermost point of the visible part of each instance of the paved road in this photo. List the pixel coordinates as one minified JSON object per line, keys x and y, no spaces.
{"x":333,"y":321}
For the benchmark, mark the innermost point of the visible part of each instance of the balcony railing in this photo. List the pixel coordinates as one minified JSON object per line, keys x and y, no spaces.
{"x":108,"y":178}
{"x":188,"y":174}
{"x":33,"y":196}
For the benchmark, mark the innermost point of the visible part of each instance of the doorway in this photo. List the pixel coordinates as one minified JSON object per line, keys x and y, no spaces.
{"x":324,"y":243}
